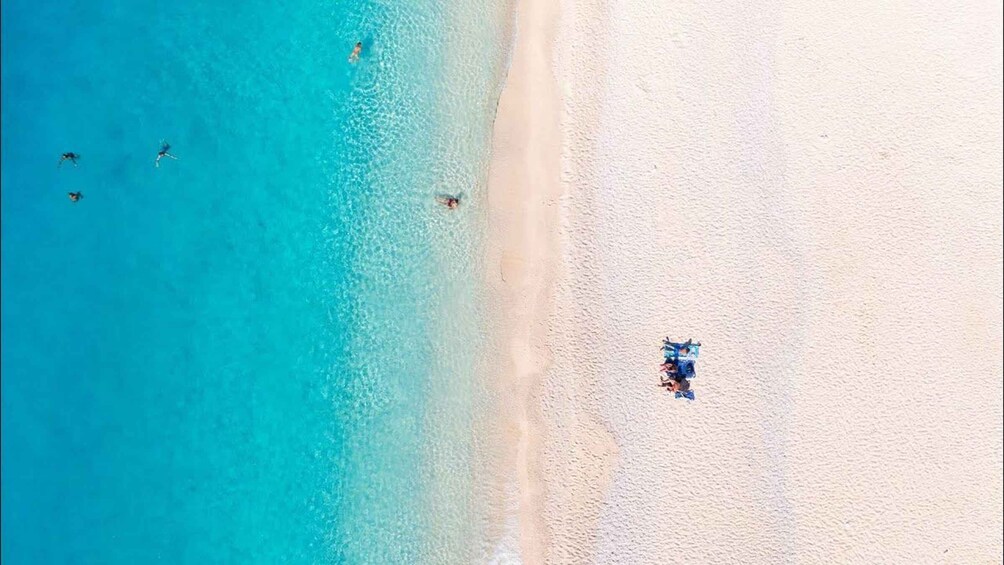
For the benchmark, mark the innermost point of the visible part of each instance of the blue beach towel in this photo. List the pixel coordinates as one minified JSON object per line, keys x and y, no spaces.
{"x":689,"y":395}
{"x":672,"y":351}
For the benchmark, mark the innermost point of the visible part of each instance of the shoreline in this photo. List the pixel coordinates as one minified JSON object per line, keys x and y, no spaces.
{"x":523,"y":183}
{"x":557,"y":455}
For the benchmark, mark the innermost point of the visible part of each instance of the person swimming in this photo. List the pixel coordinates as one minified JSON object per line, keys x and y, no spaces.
{"x":69,"y":156}
{"x":449,"y":201}
{"x":356,"y":52}
{"x":164,"y":147}
{"x":75,"y":196}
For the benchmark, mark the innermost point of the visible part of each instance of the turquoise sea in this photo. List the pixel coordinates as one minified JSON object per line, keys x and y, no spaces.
{"x":264,"y":351}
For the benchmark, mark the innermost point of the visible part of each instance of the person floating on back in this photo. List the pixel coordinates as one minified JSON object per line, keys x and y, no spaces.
{"x":164,"y":147}
{"x":449,"y":201}
{"x":69,"y":156}
{"x":356,"y":52}
{"x":75,"y":196}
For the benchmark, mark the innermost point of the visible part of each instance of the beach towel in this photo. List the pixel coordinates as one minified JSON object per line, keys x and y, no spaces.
{"x":672,"y":351}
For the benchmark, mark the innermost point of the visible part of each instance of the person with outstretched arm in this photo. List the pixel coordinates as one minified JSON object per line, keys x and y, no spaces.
{"x":164,"y":148}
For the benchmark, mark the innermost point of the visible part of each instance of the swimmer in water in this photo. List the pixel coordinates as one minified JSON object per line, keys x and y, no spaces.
{"x":449,"y":201}
{"x":75,"y":196}
{"x":69,"y":156}
{"x":164,"y":147}
{"x":356,"y":51}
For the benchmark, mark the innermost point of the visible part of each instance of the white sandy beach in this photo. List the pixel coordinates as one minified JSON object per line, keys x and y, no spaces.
{"x":814,"y":193}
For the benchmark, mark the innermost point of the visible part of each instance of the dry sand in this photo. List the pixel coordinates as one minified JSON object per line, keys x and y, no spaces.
{"x":814,"y":192}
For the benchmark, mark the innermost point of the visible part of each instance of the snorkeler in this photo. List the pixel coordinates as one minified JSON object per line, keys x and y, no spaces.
{"x":356,"y":51}
{"x":449,"y":201}
{"x":164,"y":147}
{"x":75,"y":196}
{"x":69,"y":156}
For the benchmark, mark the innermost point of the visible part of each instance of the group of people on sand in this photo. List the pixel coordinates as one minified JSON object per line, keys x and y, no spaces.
{"x":74,"y":157}
{"x":677,"y":368}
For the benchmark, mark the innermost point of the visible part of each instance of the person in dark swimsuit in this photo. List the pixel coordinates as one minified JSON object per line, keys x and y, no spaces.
{"x":164,"y":148}
{"x":449,"y":201}
{"x":676,"y":384}
{"x":75,"y":196}
{"x":69,"y":156}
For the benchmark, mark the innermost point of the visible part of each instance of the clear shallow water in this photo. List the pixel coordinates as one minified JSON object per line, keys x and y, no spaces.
{"x":241,"y":356}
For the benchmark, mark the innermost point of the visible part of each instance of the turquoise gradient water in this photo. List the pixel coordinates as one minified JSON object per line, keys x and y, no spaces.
{"x":260,"y":352}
